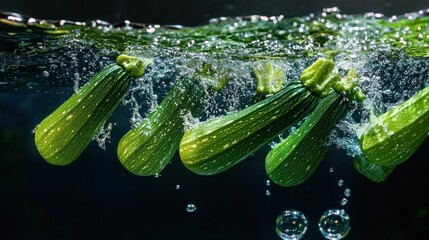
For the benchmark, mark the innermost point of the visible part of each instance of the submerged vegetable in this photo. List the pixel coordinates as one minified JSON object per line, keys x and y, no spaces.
{"x":294,"y":160}
{"x":374,"y":172}
{"x":147,"y":149}
{"x":393,"y":137}
{"x":269,"y":77}
{"x":62,"y":136}
{"x":220,"y":143}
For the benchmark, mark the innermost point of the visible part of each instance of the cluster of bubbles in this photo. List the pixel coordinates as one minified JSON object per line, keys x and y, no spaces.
{"x":334,"y":224}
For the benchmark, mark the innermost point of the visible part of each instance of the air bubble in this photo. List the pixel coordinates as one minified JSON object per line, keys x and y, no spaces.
{"x":334,"y":224}
{"x":347,"y":192}
{"x":268,"y":183}
{"x":291,"y":225}
{"x":331,"y":170}
{"x":340,"y":182}
{"x":343,"y":201}
{"x":191,"y":208}
{"x":45,"y":73}
{"x":177,"y":187}
{"x":268,"y":192}
{"x":157,"y":175}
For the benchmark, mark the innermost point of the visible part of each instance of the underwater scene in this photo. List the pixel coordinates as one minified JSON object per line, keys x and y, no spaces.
{"x":246,"y":127}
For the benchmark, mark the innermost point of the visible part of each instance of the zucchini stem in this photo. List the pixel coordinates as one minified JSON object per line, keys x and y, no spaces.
{"x":269,"y":77}
{"x":320,"y":77}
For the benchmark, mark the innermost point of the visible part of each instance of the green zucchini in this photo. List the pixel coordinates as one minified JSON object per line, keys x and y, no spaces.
{"x":218,"y":144}
{"x":147,"y":149}
{"x":393,"y":137}
{"x":269,"y":77}
{"x":374,"y":172}
{"x":294,"y":160}
{"x":63,"y":135}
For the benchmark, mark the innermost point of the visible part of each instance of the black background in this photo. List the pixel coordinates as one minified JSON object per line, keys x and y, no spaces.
{"x":95,"y":197}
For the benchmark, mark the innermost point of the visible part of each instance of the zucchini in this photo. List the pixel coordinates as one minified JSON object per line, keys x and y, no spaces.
{"x":393,"y":137}
{"x":374,"y":172}
{"x":147,"y":149}
{"x":295,"y":159}
{"x":218,"y":144}
{"x":269,"y":77}
{"x":63,"y":135}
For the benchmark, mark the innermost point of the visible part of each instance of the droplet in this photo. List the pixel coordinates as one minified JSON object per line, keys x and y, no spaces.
{"x":177,"y":187}
{"x":291,"y":225}
{"x":334,"y":224}
{"x":157,"y":175}
{"x":331,"y":170}
{"x":268,"y":183}
{"x":191,"y":207}
{"x":268,"y":192}
{"x":347,"y":192}
{"x":340,"y":182}
{"x":343,"y":201}
{"x":45,"y":73}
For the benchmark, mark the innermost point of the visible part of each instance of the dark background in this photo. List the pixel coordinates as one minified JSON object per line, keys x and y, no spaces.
{"x":194,"y":12}
{"x":95,"y":197}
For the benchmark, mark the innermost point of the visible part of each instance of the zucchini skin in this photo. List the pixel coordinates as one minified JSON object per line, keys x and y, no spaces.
{"x":393,"y":137}
{"x":220,"y":143}
{"x":374,"y":172}
{"x":147,"y":149}
{"x":63,"y":135}
{"x":295,"y":159}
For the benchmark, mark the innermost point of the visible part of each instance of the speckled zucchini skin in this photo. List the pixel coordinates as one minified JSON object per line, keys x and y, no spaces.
{"x":62,"y":136}
{"x":294,"y":160}
{"x":147,"y":149}
{"x":220,"y":143}
{"x":393,"y":137}
{"x":374,"y":172}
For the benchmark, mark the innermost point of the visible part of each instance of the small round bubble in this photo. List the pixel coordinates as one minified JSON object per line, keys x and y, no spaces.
{"x":340,"y":182}
{"x":291,"y":225}
{"x":347,"y":192}
{"x":343,"y":201}
{"x":268,"y":183}
{"x":177,"y":187}
{"x":45,"y":73}
{"x":331,"y":170}
{"x":268,"y":192}
{"x":191,"y":208}
{"x":334,"y":224}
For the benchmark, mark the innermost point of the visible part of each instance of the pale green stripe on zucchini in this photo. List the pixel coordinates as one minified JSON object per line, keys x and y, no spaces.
{"x":218,"y":144}
{"x":294,"y":160}
{"x":63,"y":135}
{"x":147,"y":149}
{"x":393,"y":137}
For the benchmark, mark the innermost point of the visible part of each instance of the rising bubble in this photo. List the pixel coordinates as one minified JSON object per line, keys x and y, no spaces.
{"x":291,"y":225}
{"x":191,"y":208}
{"x":334,"y":224}
{"x":347,"y":192}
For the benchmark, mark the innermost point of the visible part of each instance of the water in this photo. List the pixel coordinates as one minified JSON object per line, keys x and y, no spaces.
{"x":41,"y":66}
